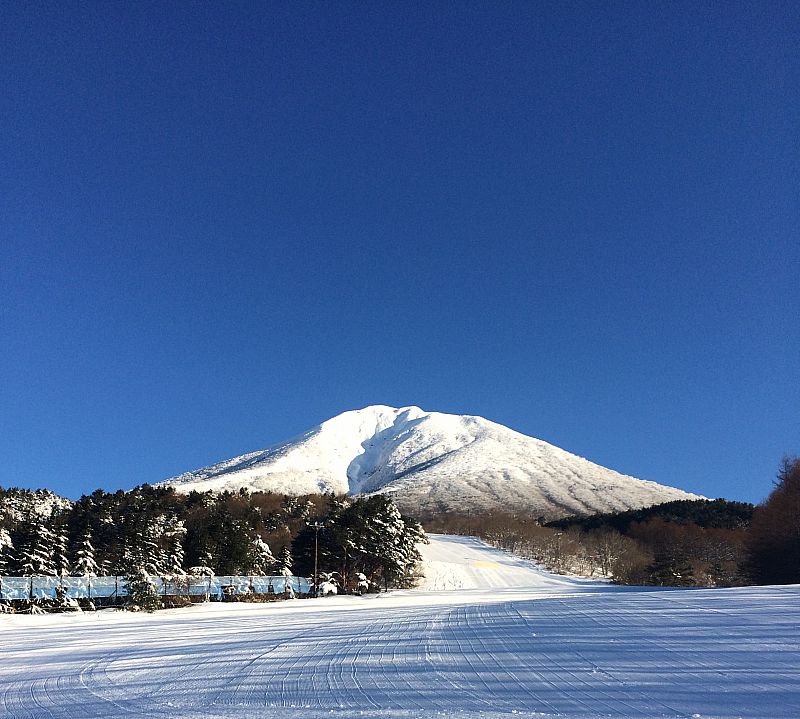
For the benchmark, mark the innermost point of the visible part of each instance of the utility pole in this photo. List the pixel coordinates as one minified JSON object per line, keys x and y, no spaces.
{"x":469,"y":499}
{"x":317,"y":526}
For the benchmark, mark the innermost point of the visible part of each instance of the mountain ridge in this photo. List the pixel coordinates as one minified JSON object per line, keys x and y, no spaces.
{"x":431,"y":461}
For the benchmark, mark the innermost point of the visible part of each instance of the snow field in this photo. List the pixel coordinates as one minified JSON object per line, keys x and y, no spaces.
{"x":514,"y":641}
{"x":465,"y":563}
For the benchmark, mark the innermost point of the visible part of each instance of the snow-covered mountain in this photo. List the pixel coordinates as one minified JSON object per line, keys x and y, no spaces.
{"x":431,"y":461}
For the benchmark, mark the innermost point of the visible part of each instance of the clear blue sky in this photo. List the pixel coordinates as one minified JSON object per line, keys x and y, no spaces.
{"x":222,"y":223}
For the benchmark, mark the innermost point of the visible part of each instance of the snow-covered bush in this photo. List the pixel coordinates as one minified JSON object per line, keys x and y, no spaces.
{"x":142,"y":592}
{"x":327,"y":588}
{"x":201,"y":571}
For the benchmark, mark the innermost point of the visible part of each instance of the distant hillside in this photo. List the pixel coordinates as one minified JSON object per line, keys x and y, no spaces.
{"x":706,"y":513}
{"x":17,"y":504}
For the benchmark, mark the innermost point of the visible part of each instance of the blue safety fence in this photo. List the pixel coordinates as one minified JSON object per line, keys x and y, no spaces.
{"x":112,"y":587}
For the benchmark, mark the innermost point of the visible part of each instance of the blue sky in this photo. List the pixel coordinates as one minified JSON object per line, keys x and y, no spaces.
{"x":224,"y":223}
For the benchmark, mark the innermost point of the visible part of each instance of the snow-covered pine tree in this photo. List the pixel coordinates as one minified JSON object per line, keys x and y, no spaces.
{"x":261,"y":558}
{"x":232,"y":547}
{"x":142,"y":592}
{"x":139,"y":554}
{"x":85,"y":565}
{"x":284,"y":564}
{"x":174,"y":533}
{"x":390,"y":539}
{"x":285,"y":561}
{"x":152,"y":558}
{"x":36,"y":555}
{"x":6,"y":551}
{"x":407,"y":550}
{"x":60,"y":543}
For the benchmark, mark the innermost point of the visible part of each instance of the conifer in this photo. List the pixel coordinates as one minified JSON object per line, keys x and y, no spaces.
{"x":142,"y":592}
{"x":85,"y":564}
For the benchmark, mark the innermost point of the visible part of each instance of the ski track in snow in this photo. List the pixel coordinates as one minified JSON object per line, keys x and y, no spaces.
{"x":488,"y":635}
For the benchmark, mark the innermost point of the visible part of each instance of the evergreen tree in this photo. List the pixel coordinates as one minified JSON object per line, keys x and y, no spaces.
{"x":36,"y":556}
{"x":392,"y":541}
{"x":85,"y":564}
{"x":321,"y":540}
{"x":291,"y":508}
{"x":174,"y":533}
{"x":130,"y":562}
{"x":142,"y":592}
{"x":60,"y":543}
{"x":285,"y":561}
{"x":235,"y":547}
{"x":153,"y":559}
{"x":6,"y":551}
{"x":261,"y":559}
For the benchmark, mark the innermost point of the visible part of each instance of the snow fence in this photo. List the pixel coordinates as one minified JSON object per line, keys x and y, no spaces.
{"x":214,"y":588}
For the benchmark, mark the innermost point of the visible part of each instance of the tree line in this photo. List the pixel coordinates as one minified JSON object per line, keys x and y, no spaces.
{"x":653,"y":551}
{"x":705,"y":543}
{"x":158,"y":531}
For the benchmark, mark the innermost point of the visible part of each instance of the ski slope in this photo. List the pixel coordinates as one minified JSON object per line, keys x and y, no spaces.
{"x":454,"y":563}
{"x":486,"y":636}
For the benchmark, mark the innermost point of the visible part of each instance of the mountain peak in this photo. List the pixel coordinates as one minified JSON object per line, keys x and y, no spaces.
{"x":432,"y":461}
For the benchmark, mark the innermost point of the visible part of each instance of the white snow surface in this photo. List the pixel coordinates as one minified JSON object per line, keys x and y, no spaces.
{"x":513,"y":641}
{"x":433,"y":461}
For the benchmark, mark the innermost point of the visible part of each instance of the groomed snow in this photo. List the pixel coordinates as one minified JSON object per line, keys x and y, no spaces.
{"x":514,"y":641}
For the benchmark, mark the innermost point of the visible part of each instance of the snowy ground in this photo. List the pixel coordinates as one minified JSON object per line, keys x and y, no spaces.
{"x":512,"y":641}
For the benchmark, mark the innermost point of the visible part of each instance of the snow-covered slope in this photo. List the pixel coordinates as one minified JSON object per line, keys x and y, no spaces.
{"x":511,"y":642}
{"x":456,"y":563}
{"x":433,"y":461}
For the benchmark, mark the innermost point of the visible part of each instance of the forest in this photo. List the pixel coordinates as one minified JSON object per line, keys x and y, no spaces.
{"x":701,"y":543}
{"x":157,"y":531}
